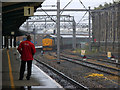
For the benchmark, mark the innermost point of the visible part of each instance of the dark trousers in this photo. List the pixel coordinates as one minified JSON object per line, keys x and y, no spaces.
{"x":22,"y":68}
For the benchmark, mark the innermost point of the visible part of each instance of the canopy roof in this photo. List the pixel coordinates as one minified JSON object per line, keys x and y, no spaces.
{"x":13,"y":16}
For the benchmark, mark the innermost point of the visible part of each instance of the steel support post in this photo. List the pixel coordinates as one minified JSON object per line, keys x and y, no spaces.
{"x":27,"y":25}
{"x":7,"y":42}
{"x":1,"y":37}
{"x":118,"y":35}
{"x":2,"y":41}
{"x":69,"y":10}
{"x":45,"y":24}
{"x":14,"y":41}
{"x":113,"y":27}
{"x":74,"y":34}
{"x":106,"y":37}
{"x":11,"y":41}
{"x":89,"y":30}
{"x":99,"y":28}
{"x":0,"y":28}
{"x":58,"y":31}
{"x":34,"y":35}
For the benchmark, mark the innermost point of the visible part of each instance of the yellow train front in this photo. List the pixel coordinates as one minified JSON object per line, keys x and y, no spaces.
{"x":47,"y":43}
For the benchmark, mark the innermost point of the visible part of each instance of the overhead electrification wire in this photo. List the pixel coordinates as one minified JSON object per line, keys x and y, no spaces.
{"x":48,"y":15}
{"x":48,"y":5}
{"x":66,"y":6}
{"x":81,"y":18}
{"x":83,"y":4}
{"x":85,"y":12}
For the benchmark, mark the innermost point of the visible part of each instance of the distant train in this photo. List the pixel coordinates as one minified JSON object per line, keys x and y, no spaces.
{"x":49,"y":42}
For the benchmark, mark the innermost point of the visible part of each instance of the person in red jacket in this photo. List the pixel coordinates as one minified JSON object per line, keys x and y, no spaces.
{"x":27,"y":50}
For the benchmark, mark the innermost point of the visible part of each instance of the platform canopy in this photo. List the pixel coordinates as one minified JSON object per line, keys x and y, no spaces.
{"x":13,"y":16}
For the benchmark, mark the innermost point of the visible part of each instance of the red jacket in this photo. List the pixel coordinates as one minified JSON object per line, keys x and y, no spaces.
{"x":27,"y":50}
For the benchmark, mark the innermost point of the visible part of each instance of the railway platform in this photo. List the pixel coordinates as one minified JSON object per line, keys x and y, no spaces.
{"x":10,"y":74}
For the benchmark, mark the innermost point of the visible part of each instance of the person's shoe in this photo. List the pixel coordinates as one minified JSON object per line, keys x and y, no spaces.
{"x":20,"y":78}
{"x":28,"y":78}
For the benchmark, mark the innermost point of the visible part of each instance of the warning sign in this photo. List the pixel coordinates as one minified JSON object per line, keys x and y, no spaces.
{"x":28,"y":11}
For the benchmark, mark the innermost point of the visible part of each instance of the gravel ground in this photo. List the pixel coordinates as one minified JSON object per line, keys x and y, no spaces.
{"x":60,"y":80}
{"x":93,"y":61}
{"x":88,"y":77}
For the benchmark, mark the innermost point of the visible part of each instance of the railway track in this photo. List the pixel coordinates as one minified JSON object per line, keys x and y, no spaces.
{"x":101,"y":68}
{"x":75,"y":83}
{"x":94,"y":58}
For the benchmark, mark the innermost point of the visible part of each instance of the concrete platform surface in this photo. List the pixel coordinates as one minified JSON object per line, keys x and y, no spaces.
{"x":10,"y":74}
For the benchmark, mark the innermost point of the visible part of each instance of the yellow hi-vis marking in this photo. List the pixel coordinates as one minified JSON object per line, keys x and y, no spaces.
{"x":10,"y":71}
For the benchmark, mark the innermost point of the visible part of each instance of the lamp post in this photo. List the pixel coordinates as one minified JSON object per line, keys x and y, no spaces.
{"x":58,"y":31}
{"x":74,"y":34}
{"x":89,"y":31}
{"x":113,"y":1}
{"x":12,"y":34}
{"x":34,"y":35}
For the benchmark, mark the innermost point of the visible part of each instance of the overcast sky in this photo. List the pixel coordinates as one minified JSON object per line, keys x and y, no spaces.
{"x":75,"y":4}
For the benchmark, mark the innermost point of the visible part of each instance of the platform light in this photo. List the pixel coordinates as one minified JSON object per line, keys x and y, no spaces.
{"x":12,"y":33}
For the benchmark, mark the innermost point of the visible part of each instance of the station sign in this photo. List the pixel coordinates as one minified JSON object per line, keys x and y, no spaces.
{"x":28,"y":11}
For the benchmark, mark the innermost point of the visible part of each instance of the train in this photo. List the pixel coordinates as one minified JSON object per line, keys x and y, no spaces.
{"x":49,"y":42}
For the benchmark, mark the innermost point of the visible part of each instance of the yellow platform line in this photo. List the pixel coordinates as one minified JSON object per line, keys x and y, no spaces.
{"x":10,"y":71}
